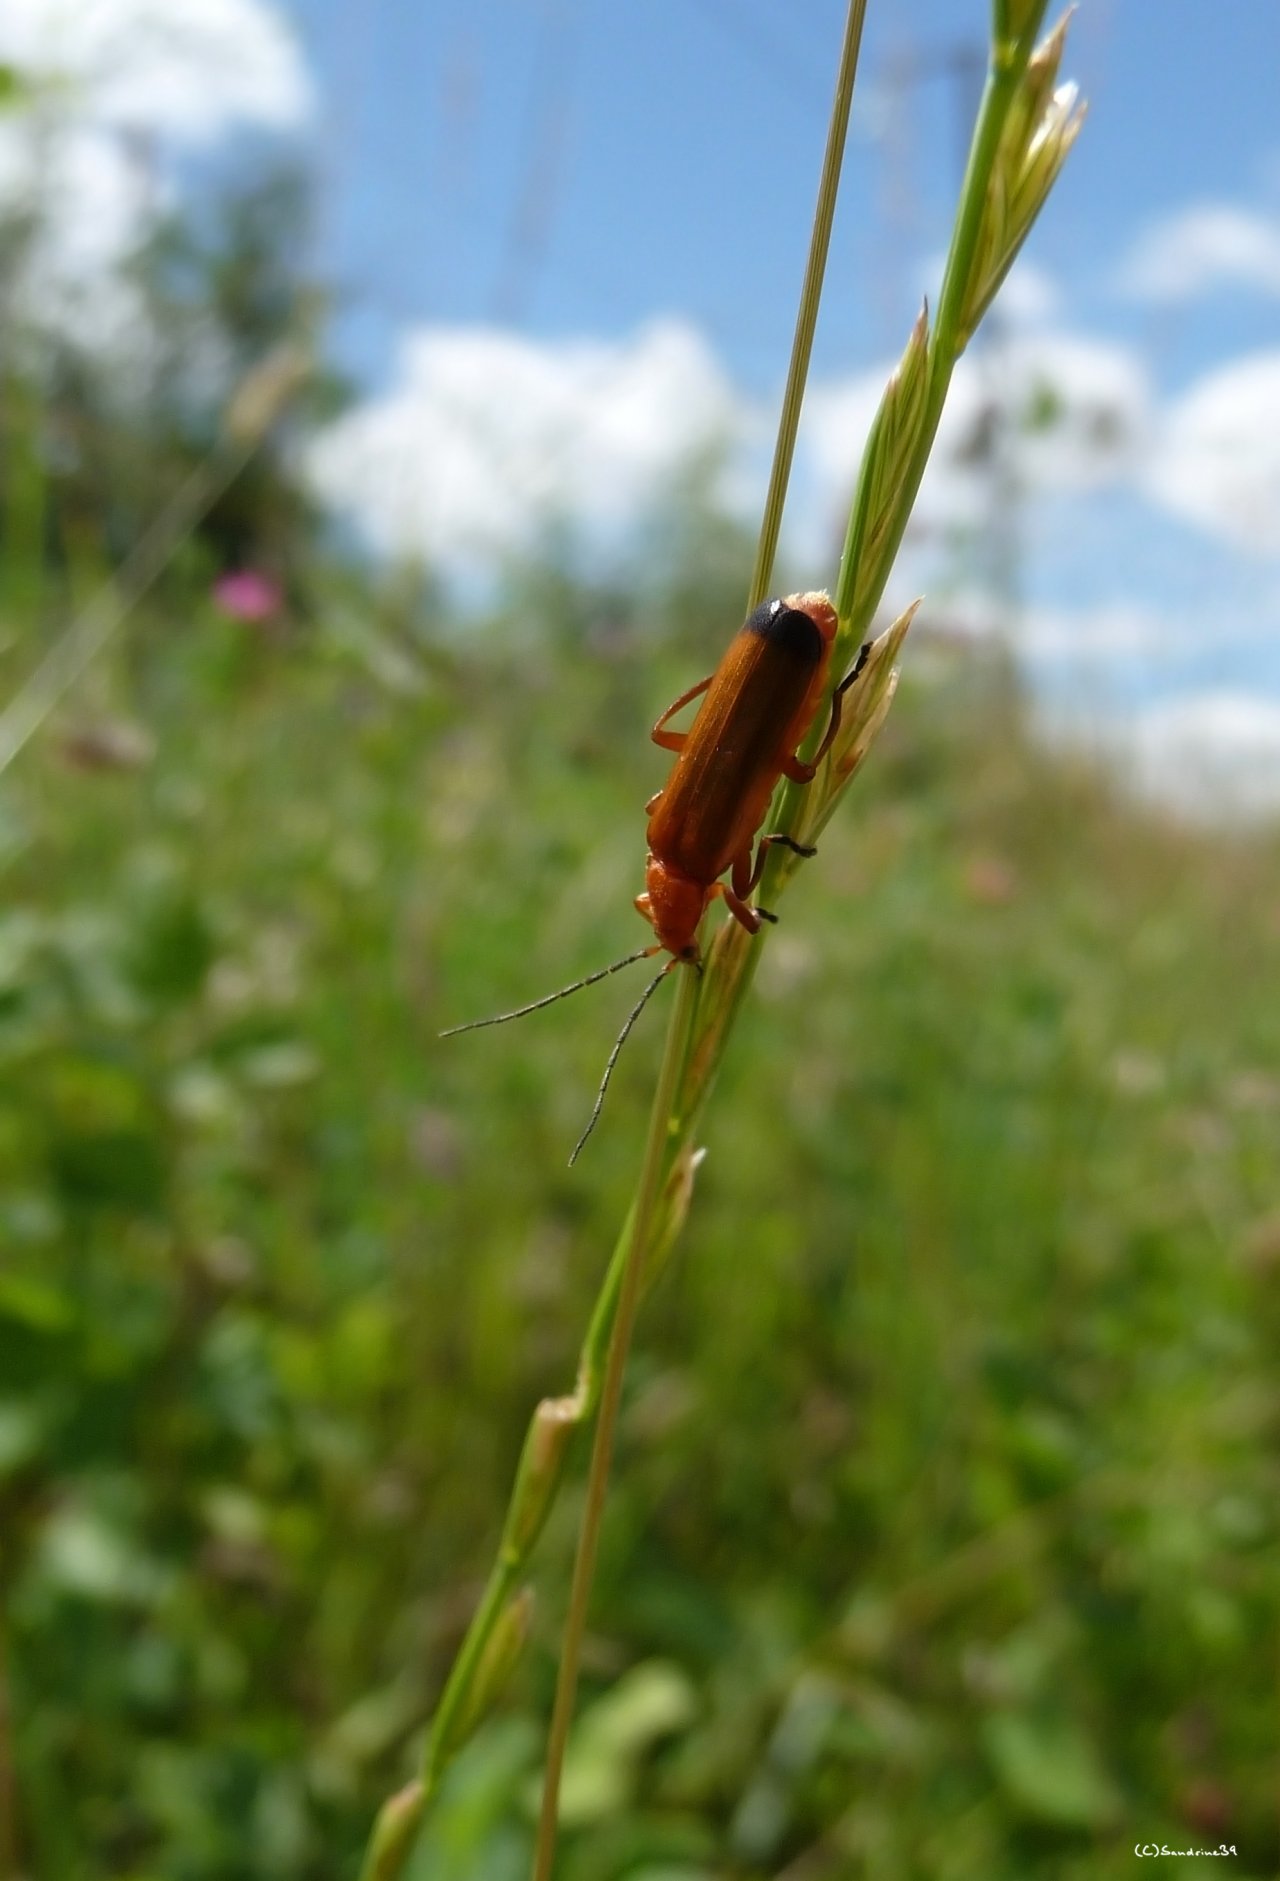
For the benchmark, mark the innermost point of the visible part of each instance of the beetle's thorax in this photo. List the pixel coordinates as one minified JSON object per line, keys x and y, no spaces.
{"x":674,"y":903}
{"x":816,"y":603}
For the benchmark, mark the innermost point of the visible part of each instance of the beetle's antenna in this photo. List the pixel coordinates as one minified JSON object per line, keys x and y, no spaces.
{"x":618,"y":1044}
{"x":549,"y":999}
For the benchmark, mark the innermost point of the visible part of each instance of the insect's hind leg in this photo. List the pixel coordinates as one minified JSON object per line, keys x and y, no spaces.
{"x":743,"y":913}
{"x":783,"y":842}
{"x":746,"y":878}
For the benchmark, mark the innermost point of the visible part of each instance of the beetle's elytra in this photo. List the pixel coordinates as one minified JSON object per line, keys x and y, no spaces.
{"x":758,"y":706}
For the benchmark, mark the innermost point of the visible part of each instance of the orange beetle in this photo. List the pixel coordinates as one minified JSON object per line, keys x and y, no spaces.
{"x":759,"y":704}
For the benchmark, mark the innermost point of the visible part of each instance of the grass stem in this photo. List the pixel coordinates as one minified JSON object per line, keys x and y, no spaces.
{"x":652,"y":1174}
{"x":807,"y":312}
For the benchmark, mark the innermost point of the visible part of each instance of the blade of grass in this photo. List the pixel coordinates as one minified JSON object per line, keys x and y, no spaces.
{"x":807,"y":312}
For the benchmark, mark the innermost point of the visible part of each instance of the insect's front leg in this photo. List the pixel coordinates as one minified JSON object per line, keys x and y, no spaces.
{"x":804,"y":770}
{"x":675,"y":741}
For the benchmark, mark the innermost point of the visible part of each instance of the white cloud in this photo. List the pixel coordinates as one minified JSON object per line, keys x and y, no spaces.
{"x":86,"y":204}
{"x":1217,"y":456}
{"x":85,"y":182}
{"x":837,"y":418}
{"x":486,"y":436}
{"x":1205,"y":246}
{"x":1080,"y":407}
{"x":1209,"y":756}
{"x":186,"y":70}
{"x":1076,"y":409}
{"x":1078,"y":415}
{"x":1085,"y":640}
{"x":1029,"y":295}
{"x":105,"y":79}
{"x":1088,"y":639}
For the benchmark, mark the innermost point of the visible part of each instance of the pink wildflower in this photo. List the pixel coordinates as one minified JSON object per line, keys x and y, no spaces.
{"x":248,"y":595}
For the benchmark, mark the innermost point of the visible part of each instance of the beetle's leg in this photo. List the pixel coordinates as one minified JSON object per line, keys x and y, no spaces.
{"x":799,"y":771}
{"x":745,"y":878}
{"x":802,"y":771}
{"x":781,"y":842}
{"x":837,"y":702}
{"x":742,"y":912}
{"x":674,"y":741}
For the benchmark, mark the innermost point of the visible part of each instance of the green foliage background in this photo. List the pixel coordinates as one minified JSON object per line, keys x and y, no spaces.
{"x":942,"y":1540}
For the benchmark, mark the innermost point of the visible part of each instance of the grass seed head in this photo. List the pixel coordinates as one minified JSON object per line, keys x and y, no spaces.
{"x":1044,"y":121}
{"x":891,"y":449}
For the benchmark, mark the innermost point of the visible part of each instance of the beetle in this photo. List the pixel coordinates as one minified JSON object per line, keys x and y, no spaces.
{"x":757,"y":708}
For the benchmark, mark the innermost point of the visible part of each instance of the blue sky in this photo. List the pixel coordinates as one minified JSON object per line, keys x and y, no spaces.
{"x":566,"y":239}
{"x":676,"y":147}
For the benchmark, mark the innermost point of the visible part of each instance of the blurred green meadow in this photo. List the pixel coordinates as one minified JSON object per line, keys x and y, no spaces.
{"x":942,"y":1534}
